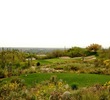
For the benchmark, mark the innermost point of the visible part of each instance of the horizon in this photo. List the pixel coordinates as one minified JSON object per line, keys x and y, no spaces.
{"x":52,"y":47}
{"x":54,"y":24}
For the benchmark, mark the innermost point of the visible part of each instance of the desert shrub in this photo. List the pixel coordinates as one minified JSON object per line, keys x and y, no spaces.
{"x":104,"y":96}
{"x":96,"y":92}
{"x":107,"y":63}
{"x":53,"y":79}
{"x":74,"y":86}
{"x":2,"y":74}
{"x":13,"y":90}
{"x":77,"y":95}
{"x":97,"y":71}
{"x":38,"y":64}
{"x":15,"y":80}
{"x":67,"y":68}
{"x":107,"y":84}
{"x":15,"y":72}
{"x":25,"y":65}
{"x":31,"y":70}
{"x":50,"y":89}
{"x":82,"y":71}
{"x":98,"y":63}
{"x":19,"y":81}
{"x":55,"y":95}
{"x":17,"y":65}
{"x":72,"y":66}
{"x":47,"y":90}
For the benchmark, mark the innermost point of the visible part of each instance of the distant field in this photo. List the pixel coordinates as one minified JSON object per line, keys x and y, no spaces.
{"x":83,"y":80}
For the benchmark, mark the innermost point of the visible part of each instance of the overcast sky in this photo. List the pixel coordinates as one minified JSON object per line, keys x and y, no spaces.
{"x":54,"y":23}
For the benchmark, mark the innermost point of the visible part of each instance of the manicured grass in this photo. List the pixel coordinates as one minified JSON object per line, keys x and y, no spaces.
{"x":44,"y":62}
{"x":83,"y":80}
{"x":53,"y":61}
{"x":61,"y":60}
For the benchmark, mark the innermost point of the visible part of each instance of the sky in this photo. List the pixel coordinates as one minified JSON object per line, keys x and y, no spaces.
{"x":54,"y":23}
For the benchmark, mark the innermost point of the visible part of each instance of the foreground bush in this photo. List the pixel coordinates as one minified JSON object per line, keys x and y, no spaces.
{"x":52,"y":89}
{"x":14,"y":90}
{"x":96,"y":92}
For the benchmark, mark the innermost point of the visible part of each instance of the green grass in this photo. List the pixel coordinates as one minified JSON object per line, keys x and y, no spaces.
{"x":60,"y":60}
{"x":44,"y":62}
{"x":53,"y":61}
{"x":83,"y":80}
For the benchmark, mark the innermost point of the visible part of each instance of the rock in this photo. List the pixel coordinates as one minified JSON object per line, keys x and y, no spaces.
{"x":66,"y":95}
{"x":66,"y":86}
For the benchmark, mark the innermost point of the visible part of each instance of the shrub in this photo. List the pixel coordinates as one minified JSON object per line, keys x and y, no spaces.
{"x":53,"y":79}
{"x":107,"y":84}
{"x":2,"y":74}
{"x":55,"y":95}
{"x":107,"y":63}
{"x":104,"y":96}
{"x":74,"y":86}
{"x":38,"y":64}
{"x":19,"y":81}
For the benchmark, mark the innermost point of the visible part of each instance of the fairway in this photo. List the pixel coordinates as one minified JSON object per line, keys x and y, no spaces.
{"x":53,"y":61}
{"x":83,"y":80}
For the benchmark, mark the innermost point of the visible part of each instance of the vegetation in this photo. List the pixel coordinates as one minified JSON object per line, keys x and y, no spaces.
{"x":71,"y":74}
{"x":76,"y":52}
{"x":82,"y":80}
{"x":93,"y":49}
{"x":53,"y":86}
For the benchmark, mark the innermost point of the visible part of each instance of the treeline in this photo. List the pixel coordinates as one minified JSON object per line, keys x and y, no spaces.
{"x":93,"y":49}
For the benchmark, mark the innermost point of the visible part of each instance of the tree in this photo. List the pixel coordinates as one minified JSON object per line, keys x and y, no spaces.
{"x":12,"y":56}
{"x":104,"y":53}
{"x":3,"y":58}
{"x":76,"y":52}
{"x":56,"y":53}
{"x":93,"y":49}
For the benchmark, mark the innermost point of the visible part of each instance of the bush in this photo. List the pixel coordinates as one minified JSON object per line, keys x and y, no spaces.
{"x":38,"y":64}
{"x":19,"y":81}
{"x":74,"y":86}
{"x":2,"y":74}
{"x":107,"y":63}
{"x":53,"y":79}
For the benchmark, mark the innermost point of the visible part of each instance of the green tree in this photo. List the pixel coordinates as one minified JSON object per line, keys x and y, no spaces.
{"x":76,"y":52}
{"x":12,"y":56}
{"x":56,"y":53}
{"x":3,"y":60}
{"x":92,"y":49}
{"x":104,"y":53}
